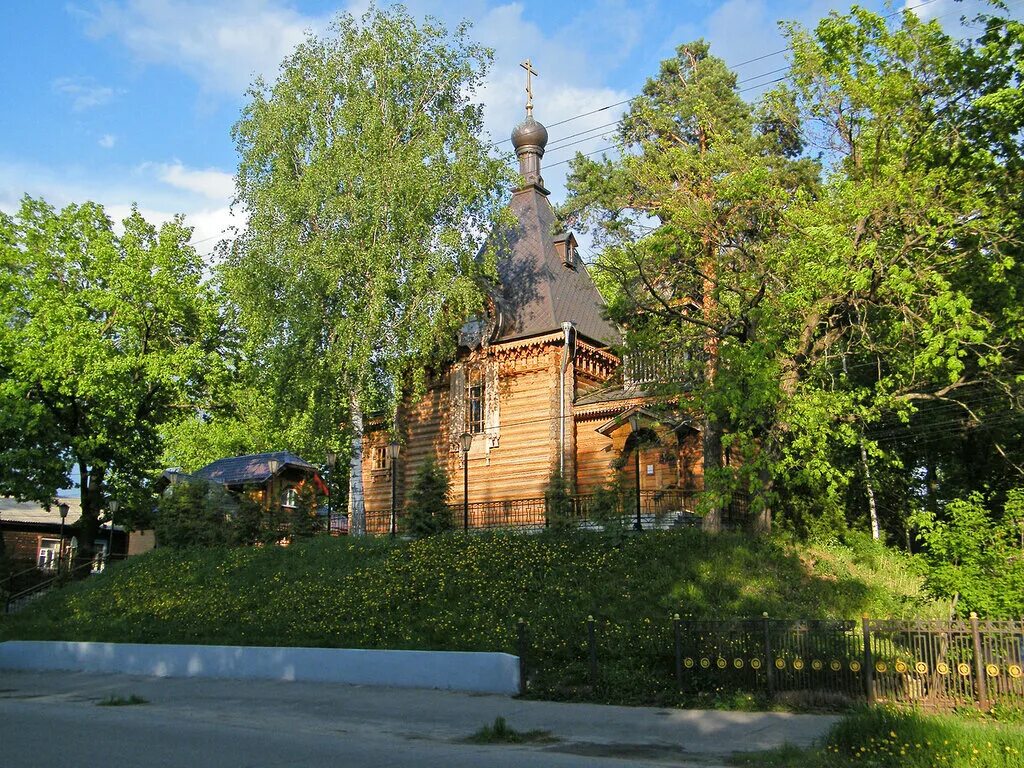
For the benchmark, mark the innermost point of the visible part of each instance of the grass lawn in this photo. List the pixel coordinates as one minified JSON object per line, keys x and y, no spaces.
{"x":457,"y":592}
{"x":885,"y":738}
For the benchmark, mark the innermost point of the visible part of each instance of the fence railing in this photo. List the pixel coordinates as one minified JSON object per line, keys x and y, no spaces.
{"x":659,"y":510}
{"x":930,"y":664}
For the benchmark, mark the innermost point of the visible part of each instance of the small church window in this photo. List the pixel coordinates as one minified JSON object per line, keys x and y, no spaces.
{"x":475,"y":401}
{"x":379,"y":458}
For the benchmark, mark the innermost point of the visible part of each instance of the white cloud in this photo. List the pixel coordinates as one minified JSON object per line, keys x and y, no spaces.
{"x":209,"y":182}
{"x":157,"y":199}
{"x":949,"y":13}
{"x":107,"y":141}
{"x":568,"y":84}
{"x":83,"y":92}
{"x":223,"y":45}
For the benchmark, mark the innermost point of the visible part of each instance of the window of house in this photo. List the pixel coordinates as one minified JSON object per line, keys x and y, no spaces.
{"x":475,"y":400}
{"x":290,"y":499}
{"x":49,"y":550}
{"x":379,"y":457}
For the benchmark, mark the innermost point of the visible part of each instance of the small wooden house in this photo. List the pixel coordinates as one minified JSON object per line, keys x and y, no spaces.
{"x":269,"y":478}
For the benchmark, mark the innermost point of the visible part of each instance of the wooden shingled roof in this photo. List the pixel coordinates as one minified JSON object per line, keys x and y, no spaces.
{"x":537,"y":291}
{"x":252,"y":469}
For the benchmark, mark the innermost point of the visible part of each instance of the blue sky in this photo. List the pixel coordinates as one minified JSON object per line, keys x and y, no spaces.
{"x":123,"y":101}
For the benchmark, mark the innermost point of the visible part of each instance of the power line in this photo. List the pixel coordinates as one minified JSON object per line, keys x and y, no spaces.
{"x":732,"y":67}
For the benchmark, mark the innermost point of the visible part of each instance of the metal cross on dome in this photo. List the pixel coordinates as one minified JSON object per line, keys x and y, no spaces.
{"x":528,"y":66}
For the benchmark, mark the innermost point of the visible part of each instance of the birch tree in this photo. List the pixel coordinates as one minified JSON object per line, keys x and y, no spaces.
{"x":369,"y":191}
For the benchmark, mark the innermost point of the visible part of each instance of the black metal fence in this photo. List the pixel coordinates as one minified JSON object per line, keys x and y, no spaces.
{"x":659,"y":510}
{"x":931,"y":664}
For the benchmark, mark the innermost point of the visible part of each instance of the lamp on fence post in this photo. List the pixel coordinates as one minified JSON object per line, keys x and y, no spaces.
{"x":332,"y":459}
{"x":63,"y":509}
{"x":393,"y":451}
{"x":634,"y":424}
{"x":466,"y":443}
{"x":114,"y":506}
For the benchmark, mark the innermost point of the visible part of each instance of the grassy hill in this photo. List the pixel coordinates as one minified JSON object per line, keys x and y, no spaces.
{"x":465,"y":593}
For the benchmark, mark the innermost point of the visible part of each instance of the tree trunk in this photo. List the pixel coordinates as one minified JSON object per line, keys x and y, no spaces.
{"x":762,"y":523}
{"x":872,"y":507}
{"x":712,"y":463}
{"x":91,"y":480}
{"x":356,"y":501}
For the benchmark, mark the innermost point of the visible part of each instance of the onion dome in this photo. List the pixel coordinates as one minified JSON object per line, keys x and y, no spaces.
{"x":529,"y":133}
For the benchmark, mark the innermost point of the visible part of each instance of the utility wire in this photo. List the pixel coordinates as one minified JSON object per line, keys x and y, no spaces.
{"x":730,"y":66}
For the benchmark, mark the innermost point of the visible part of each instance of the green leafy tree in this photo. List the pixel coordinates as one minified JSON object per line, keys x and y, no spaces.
{"x":831,"y":317}
{"x":428,"y":501}
{"x":686,"y":216}
{"x":369,"y":192}
{"x":104,"y":338}
{"x":972,"y":558}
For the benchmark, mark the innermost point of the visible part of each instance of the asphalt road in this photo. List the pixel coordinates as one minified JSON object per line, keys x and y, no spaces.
{"x":53,"y":719}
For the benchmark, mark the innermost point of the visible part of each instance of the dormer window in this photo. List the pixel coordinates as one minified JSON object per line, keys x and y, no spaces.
{"x":565,"y":247}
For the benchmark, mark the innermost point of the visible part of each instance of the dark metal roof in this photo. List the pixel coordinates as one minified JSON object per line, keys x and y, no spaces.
{"x":538,"y":292}
{"x":242,"y":470}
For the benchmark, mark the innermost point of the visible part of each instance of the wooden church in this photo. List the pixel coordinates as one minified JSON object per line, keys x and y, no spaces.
{"x":536,"y":389}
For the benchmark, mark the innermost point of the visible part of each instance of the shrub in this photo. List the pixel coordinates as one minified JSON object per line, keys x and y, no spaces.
{"x":304,"y":521}
{"x":194,"y":514}
{"x":606,"y":511}
{"x":558,"y":504}
{"x":428,"y":501}
{"x":247,"y":523}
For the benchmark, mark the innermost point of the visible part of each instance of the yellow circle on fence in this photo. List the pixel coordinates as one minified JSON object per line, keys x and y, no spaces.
{"x":688,"y":662}
{"x":992,"y":670}
{"x":834,"y":665}
{"x":963,"y":669}
{"x":880,"y":666}
{"x":1015,"y":670}
{"x":942,"y":668}
{"x":921,"y":667}
{"x":705,"y":663}
{"x":738,"y":663}
{"x":780,"y":663}
{"x":755,"y":663}
{"x":721,"y":663}
{"x":816,"y":665}
{"x":901,"y":666}
{"x":855,"y":666}
{"x":798,"y":663}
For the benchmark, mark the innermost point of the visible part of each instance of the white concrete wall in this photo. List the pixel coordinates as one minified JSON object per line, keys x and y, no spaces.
{"x":448,"y":670}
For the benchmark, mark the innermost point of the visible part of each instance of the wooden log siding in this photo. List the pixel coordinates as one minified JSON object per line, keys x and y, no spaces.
{"x":677,"y":464}
{"x":596,"y":455}
{"x":525,"y":410}
{"x":523,"y":407}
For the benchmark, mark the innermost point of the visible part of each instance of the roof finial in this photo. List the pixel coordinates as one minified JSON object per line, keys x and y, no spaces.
{"x":528,"y":66}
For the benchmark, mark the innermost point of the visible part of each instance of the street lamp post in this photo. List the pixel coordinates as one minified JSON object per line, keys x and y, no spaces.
{"x":634,"y":424}
{"x":332,"y":459}
{"x":393,"y":451}
{"x":114,"y":506}
{"x":63,"y":508}
{"x":467,"y":443}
